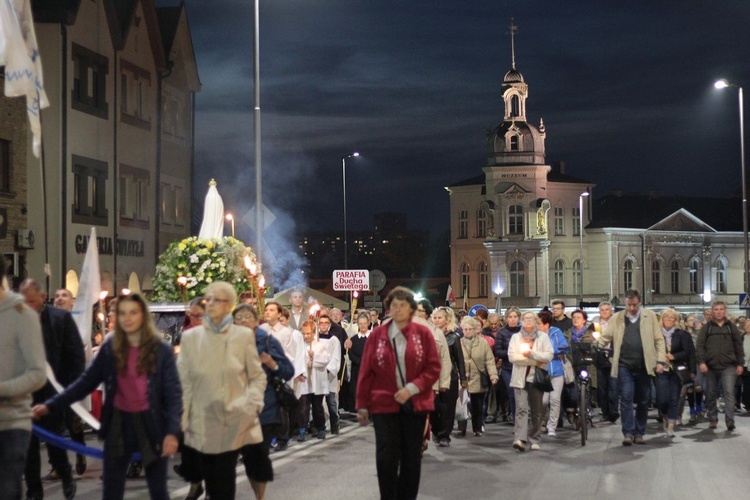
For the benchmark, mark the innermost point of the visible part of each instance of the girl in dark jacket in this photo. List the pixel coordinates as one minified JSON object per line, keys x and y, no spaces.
{"x":502,"y":341}
{"x":681,"y":357}
{"x":143,"y":403}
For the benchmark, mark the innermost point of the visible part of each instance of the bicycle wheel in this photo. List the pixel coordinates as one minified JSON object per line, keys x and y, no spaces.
{"x":582,"y":406}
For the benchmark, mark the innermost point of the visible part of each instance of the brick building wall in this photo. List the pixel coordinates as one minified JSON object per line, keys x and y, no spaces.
{"x":14,"y":134}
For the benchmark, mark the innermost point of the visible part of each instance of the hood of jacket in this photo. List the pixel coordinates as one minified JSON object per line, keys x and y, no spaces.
{"x":10,"y":299}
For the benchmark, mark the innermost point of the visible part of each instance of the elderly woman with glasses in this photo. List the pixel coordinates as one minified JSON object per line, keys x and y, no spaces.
{"x":481,"y":371}
{"x":223,"y":390}
{"x":529,"y":349}
{"x":680,"y":358}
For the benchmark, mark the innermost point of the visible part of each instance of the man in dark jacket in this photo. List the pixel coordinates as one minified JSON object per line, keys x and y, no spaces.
{"x":720,"y":356}
{"x":65,"y":355}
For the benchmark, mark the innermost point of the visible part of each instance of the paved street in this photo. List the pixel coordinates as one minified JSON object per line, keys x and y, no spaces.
{"x":697,"y":464}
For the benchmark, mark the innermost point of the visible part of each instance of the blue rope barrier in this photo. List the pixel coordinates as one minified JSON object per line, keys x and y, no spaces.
{"x":67,"y":444}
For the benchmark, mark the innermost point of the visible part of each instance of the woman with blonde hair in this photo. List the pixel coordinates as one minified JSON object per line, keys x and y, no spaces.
{"x":143,"y":406}
{"x":481,"y":371}
{"x":445,"y":321}
{"x":680,"y":359}
{"x":529,"y":349}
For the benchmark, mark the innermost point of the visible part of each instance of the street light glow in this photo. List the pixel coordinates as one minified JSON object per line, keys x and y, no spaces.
{"x":418,"y":296}
{"x":229,"y":217}
{"x":355,"y":154}
{"x":721,"y":84}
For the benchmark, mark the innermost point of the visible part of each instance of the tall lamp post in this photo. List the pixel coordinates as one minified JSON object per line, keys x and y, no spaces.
{"x":343,"y":183}
{"x":580,"y":236}
{"x":722,"y":84}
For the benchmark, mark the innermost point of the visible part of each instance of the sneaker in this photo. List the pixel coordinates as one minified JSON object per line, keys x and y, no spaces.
{"x":335,"y":429}
{"x":80,"y":465}
{"x":639,"y":440}
{"x":52,"y":475}
{"x":282,"y":446}
{"x":196,"y":490}
{"x":730,"y":424}
{"x":519,"y":445}
{"x":321,"y":434}
{"x":134,"y":470}
{"x":551,"y":432}
{"x":444,"y":443}
{"x":274,"y":442}
{"x":477,"y":434}
{"x":693,"y":418}
{"x":670,"y":430}
{"x":627,"y":441}
{"x":713,"y":424}
{"x":303,"y":436}
{"x":69,"y":489}
{"x":535,"y":447}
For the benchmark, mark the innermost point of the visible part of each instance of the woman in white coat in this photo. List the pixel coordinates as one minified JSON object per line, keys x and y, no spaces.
{"x":528,"y":349}
{"x":223,"y":385}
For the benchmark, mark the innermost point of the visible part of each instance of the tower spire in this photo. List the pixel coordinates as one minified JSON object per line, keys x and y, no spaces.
{"x":513,"y":30}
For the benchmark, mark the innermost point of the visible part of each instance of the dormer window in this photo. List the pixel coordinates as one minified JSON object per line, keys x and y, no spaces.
{"x":515,"y":143}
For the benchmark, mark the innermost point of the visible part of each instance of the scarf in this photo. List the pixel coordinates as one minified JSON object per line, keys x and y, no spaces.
{"x":667,"y":336}
{"x":223,"y":324}
{"x":576,"y":334}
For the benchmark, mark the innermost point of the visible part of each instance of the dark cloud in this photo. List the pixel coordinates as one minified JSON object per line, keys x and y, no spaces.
{"x":624,"y":88}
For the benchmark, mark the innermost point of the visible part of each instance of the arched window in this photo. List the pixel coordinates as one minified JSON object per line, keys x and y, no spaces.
{"x":515,"y":219}
{"x":577,"y":285}
{"x":656,"y":276}
{"x":484,"y":280}
{"x":515,"y":106}
{"x":517,"y":279}
{"x":559,"y":277}
{"x":695,"y":276}
{"x":721,"y":276}
{"x":674,"y":277}
{"x":481,"y":223}
{"x":627,"y":274}
{"x":464,"y":279}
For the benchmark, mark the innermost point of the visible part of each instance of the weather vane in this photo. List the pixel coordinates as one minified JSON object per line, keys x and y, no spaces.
{"x":513,"y":30}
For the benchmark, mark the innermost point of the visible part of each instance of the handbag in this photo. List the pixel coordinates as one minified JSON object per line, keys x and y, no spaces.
{"x":569,"y":375}
{"x":684,"y":374}
{"x":284,"y":394}
{"x":484,"y":380}
{"x":542,"y":380}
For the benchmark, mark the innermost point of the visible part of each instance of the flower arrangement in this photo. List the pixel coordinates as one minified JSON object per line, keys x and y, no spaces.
{"x":188,"y":266}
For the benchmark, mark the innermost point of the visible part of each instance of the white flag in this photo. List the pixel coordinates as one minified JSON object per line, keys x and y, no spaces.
{"x":19,"y":54}
{"x":89,"y":288}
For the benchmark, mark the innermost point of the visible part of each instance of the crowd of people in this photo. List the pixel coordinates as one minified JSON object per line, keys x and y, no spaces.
{"x":420,"y":373}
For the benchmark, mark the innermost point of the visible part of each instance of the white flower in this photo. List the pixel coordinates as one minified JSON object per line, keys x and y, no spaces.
{"x":193,"y":259}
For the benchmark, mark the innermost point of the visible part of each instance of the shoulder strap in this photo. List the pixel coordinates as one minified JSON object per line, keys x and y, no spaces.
{"x":398,"y":365}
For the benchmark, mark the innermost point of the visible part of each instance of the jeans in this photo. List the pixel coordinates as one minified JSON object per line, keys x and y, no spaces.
{"x":14,"y":444}
{"x":398,"y":455}
{"x":552,"y":400}
{"x":114,"y":468}
{"x":727,"y":378}
{"x":528,"y":409}
{"x":635,"y":387}
{"x":668,"y":387}
{"x":333,"y":409}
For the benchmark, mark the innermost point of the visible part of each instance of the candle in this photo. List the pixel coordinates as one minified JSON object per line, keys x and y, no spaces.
{"x":525,"y":347}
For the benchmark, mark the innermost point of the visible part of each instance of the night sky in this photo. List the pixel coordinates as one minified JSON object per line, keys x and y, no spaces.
{"x":625,"y":89}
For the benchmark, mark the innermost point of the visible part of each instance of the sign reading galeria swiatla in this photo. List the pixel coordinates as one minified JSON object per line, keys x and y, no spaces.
{"x":350,"y":280}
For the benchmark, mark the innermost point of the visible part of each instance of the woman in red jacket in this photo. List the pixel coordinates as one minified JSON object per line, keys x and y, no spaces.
{"x":399,"y":366}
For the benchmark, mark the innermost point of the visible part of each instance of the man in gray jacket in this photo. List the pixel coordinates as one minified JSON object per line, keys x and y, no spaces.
{"x":22,"y":372}
{"x":720,"y":355}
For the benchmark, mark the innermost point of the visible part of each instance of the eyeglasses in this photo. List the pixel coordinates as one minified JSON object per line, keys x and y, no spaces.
{"x":420,"y":310}
{"x":243,"y":317}
{"x":215,"y":299}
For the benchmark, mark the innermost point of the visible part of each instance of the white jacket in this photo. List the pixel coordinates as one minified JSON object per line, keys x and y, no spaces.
{"x":541,"y":351}
{"x":223,"y":385}
{"x":317,"y":376}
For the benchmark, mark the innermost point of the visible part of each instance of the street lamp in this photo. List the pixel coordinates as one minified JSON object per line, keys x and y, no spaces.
{"x":230,"y":218}
{"x":722,"y":84}
{"x":580,"y":235}
{"x":343,"y":183}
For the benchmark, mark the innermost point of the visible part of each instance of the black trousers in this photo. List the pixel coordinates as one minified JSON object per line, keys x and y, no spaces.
{"x":476,"y":400}
{"x":219,"y":473}
{"x":449,"y":410}
{"x":398,"y":444}
{"x":57,"y":457}
{"x":319,"y":416}
{"x":436,"y":416}
{"x":607,"y":396}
